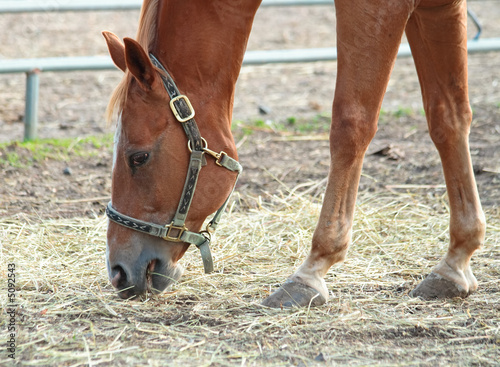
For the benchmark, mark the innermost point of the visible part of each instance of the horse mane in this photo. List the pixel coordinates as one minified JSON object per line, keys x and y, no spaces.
{"x":145,"y":35}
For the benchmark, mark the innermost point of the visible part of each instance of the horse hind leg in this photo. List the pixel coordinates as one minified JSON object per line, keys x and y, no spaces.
{"x":437,"y":37}
{"x":368,"y":34}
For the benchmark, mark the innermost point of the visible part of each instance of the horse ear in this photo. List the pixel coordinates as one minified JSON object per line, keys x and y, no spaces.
{"x":139,"y":64}
{"x":116,"y":50}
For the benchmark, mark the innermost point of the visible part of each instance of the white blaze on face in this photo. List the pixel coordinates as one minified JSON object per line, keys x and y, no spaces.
{"x":115,"y":142}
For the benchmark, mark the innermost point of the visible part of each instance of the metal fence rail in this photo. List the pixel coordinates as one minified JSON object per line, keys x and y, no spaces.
{"x":33,"y":6}
{"x":78,"y":63}
{"x":37,"y":6}
{"x":33,"y":67}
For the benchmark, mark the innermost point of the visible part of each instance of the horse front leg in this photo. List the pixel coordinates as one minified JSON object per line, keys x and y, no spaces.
{"x":438,"y":37}
{"x":332,"y":236}
{"x":349,"y":140}
{"x":368,"y":36}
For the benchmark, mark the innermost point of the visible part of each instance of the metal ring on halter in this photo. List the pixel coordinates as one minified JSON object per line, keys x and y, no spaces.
{"x":203,"y":148}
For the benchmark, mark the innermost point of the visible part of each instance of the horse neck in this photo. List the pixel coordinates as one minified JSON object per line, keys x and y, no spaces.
{"x":202,"y":44}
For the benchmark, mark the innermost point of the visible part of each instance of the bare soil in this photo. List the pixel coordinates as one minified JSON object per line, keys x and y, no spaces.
{"x":72,"y":105}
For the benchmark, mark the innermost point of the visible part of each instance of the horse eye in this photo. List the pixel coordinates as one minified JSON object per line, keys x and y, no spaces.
{"x":138,"y":159}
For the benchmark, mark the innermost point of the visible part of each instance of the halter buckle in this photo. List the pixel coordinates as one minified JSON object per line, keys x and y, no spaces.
{"x":182,"y":108}
{"x":174,"y":237}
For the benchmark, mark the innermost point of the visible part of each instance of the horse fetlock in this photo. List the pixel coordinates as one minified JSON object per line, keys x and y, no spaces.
{"x":331,"y":246}
{"x":311,"y":275}
{"x":460,"y":273}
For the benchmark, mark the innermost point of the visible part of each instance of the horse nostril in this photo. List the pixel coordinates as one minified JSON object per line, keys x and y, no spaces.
{"x":118,"y":276}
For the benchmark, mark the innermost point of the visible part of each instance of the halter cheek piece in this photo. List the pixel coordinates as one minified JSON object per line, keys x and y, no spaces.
{"x":176,"y":231}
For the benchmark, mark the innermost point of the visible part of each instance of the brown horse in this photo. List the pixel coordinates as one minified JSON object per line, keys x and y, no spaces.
{"x":154,"y":214}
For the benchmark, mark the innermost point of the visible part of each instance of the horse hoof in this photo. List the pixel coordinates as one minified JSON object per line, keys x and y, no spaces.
{"x":437,"y":287}
{"x":294,"y":295}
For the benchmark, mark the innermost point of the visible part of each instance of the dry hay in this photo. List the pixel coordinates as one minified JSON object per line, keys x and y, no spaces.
{"x":69,"y":315}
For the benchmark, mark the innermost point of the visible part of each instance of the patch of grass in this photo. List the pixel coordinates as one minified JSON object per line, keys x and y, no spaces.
{"x":25,"y":154}
{"x":403,"y":112}
{"x":291,"y":120}
{"x":320,"y":123}
{"x":10,"y":158}
{"x":248,"y":128}
{"x":239,"y":127}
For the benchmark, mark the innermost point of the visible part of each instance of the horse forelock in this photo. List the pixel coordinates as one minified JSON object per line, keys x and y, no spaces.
{"x":146,"y":33}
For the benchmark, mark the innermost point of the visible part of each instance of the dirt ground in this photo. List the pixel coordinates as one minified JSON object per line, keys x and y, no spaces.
{"x":281,"y":149}
{"x":72,"y":105}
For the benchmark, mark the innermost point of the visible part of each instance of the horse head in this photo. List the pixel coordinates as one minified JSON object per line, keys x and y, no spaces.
{"x":160,"y":195}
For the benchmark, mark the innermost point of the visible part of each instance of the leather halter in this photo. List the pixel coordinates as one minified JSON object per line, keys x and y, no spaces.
{"x":176,"y":231}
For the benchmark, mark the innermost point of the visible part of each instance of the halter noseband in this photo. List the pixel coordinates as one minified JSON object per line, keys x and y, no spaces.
{"x":176,"y":231}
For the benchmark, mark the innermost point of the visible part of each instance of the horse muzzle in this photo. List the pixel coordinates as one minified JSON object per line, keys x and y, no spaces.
{"x":149,"y":274}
